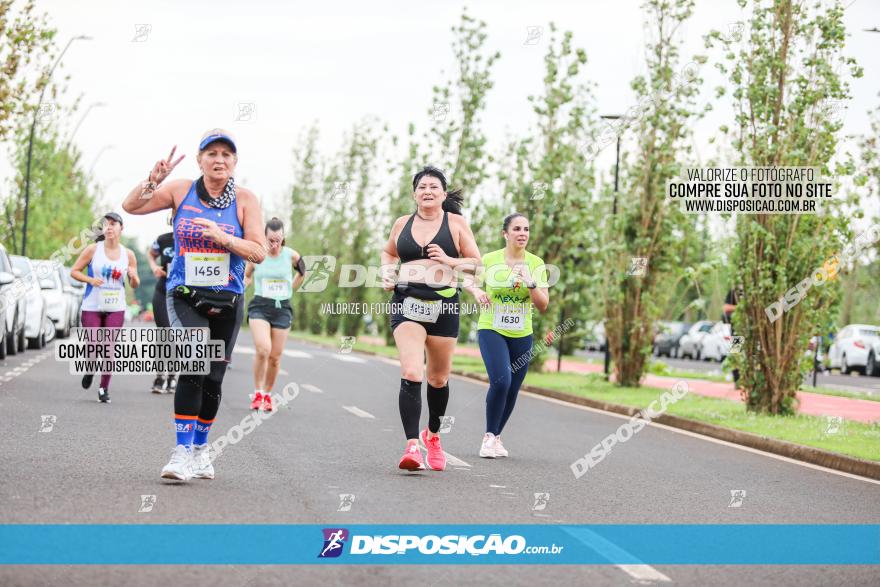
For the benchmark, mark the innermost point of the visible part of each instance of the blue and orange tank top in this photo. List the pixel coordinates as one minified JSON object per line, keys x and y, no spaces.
{"x":198,"y":261}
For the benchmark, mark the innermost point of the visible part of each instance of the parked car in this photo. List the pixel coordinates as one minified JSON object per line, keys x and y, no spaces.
{"x":13,"y":299}
{"x":595,"y":337}
{"x":35,"y":316}
{"x":76,"y":290}
{"x":716,"y":344}
{"x":58,"y":303}
{"x":667,"y":338}
{"x":853,"y":346}
{"x":689,"y":343}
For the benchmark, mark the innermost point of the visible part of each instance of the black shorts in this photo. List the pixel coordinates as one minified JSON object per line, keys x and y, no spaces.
{"x":262,"y":308}
{"x":446,"y":324}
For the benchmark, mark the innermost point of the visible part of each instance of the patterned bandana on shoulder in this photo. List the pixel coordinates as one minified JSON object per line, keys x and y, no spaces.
{"x":223,"y":201}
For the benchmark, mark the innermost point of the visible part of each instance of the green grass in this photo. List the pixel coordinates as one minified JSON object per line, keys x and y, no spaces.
{"x":841,"y":393}
{"x":853,"y":439}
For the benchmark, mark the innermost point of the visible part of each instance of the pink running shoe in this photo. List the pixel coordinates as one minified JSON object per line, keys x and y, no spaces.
{"x":412,"y":459}
{"x":258,"y":401}
{"x":436,"y":456}
{"x":267,"y":402}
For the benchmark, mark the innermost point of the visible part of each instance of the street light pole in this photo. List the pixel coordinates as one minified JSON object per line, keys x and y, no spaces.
{"x":98,"y":156}
{"x":27,"y":176}
{"x":83,"y":117}
{"x":613,"y":213}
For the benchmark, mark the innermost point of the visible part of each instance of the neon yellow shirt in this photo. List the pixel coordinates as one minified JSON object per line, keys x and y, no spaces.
{"x":510,"y":310}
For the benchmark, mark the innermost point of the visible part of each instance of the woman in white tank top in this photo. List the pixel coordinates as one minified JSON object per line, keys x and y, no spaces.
{"x":107,"y":263}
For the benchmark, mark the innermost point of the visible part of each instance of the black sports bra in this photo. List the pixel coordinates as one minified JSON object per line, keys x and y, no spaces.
{"x":409,"y":250}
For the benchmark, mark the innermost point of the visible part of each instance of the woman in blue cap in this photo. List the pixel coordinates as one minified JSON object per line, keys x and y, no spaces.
{"x":218,"y":227}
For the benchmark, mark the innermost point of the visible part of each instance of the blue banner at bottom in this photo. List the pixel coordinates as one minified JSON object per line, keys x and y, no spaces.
{"x":221,"y":544}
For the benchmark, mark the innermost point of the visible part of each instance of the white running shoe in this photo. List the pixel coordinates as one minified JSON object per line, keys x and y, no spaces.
{"x":202,"y":467}
{"x":180,"y":465}
{"x":500,"y":451}
{"x":487,"y":451}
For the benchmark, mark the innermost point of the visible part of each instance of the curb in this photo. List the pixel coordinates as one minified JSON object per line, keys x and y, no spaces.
{"x":798,"y":452}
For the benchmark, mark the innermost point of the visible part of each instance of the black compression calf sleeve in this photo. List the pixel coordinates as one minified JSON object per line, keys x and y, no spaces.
{"x":438,"y":397}
{"x":410,"y":402}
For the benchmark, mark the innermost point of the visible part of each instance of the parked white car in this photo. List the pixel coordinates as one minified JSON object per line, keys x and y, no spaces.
{"x":79,"y":289}
{"x":35,"y":321}
{"x":715,"y":346}
{"x":689,"y":345}
{"x":59,"y":304}
{"x":853,"y":346}
{"x":14,"y":305}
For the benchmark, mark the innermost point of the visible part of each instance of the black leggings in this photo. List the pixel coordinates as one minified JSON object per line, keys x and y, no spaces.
{"x":160,"y":308}
{"x":199,"y":395}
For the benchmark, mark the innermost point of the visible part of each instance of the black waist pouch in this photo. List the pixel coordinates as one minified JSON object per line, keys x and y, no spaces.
{"x":208,"y":303}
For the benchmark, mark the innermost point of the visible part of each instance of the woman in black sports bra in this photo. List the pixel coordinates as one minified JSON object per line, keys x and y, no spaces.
{"x":424,"y":307}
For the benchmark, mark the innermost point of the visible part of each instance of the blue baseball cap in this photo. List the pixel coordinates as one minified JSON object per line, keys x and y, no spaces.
{"x":217,"y":134}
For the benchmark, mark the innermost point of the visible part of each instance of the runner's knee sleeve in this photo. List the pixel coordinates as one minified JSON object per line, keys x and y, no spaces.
{"x":410,"y":402}
{"x":438,"y":397}
{"x":211,"y":393}
{"x":188,"y":395}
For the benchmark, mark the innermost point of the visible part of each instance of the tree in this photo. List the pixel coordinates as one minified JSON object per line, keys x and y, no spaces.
{"x":25,"y":39}
{"x":62,"y":204}
{"x":552,"y":181}
{"x":645,"y":246}
{"x":786,"y":87}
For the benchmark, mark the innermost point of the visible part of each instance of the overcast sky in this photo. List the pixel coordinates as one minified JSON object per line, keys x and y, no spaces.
{"x":170,"y":70}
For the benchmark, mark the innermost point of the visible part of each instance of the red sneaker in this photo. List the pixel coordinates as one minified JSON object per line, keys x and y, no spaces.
{"x":267,"y":402}
{"x":412,"y":459}
{"x":258,"y":401}
{"x":436,"y":456}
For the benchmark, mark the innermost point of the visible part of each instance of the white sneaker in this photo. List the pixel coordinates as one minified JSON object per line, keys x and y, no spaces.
{"x":500,"y":451}
{"x":180,"y":465}
{"x":487,"y":451}
{"x":202,"y":467}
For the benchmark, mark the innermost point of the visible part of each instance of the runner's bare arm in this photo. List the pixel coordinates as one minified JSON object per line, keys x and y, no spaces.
{"x":133,"y":278}
{"x":470,"y":259}
{"x":84,"y":259}
{"x":253,"y":246}
{"x":162,"y":198}
{"x":299,"y":277}
{"x":390,"y":258}
{"x":248,"y":274}
{"x":147,"y":196}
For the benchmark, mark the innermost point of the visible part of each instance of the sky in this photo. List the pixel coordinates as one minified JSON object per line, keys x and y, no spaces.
{"x":167,"y":71}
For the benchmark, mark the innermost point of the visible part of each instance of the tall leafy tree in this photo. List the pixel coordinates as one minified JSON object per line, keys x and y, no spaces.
{"x":787,"y":79}
{"x":643,"y":249}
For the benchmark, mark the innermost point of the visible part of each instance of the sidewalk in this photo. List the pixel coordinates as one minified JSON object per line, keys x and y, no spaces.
{"x":813,"y":404}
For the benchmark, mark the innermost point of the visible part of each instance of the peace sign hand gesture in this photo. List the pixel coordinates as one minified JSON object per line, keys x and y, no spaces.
{"x":164,"y":167}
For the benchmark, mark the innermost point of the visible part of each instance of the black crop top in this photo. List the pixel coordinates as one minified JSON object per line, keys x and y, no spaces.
{"x":409,"y":250}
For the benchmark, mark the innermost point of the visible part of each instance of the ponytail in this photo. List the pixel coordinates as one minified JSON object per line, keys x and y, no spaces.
{"x":453,"y":202}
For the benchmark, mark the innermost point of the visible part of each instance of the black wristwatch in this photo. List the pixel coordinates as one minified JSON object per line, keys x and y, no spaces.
{"x":533,"y":286}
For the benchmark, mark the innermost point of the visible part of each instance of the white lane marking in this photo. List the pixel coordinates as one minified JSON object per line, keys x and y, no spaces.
{"x":454,"y":460}
{"x":349,"y":359}
{"x":358,"y":412}
{"x":387,"y":361}
{"x":610,"y":551}
{"x":283,"y":372}
{"x":450,"y":458}
{"x":499,"y":486}
{"x":707,"y":439}
{"x":294,"y":354}
{"x":312,"y":388}
{"x":244,"y":350}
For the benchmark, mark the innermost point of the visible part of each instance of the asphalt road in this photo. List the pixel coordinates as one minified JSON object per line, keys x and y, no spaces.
{"x":342,"y":435}
{"x":852,"y":382}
